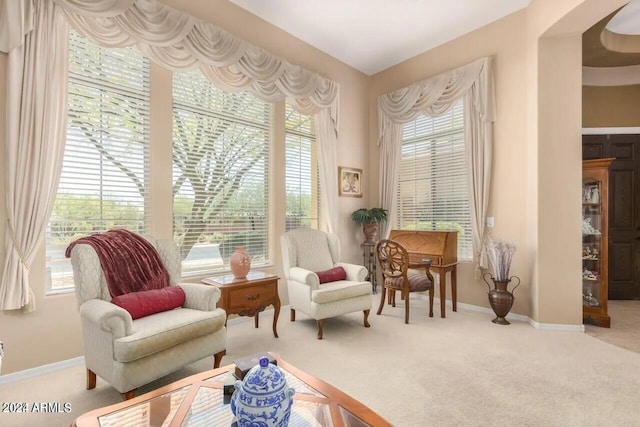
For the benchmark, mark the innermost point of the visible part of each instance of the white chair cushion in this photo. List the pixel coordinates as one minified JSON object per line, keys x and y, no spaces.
{"x":152,"y":334}
{"x":340,"y":290}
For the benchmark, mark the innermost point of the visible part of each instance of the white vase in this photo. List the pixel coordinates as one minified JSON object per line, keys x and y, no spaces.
{"x":263,"y":398}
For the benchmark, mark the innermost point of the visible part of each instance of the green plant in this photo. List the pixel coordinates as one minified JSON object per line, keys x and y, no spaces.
{"x":364,"y":216}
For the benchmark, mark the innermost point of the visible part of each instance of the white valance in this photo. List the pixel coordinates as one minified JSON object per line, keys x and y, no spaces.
{"x":179,"y":41}
{"x":434,"y":96}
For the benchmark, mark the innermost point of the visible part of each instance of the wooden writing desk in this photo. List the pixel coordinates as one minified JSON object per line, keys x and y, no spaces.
{"x":441,"y":247}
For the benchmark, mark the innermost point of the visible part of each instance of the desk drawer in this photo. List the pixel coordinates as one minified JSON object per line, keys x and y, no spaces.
{"x":252,"y":296}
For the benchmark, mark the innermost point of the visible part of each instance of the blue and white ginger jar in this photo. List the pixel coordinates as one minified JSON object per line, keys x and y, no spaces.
{"x":263,"y":398}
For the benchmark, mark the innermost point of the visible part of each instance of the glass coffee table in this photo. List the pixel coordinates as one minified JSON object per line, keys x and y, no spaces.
{"x":198,"y":401}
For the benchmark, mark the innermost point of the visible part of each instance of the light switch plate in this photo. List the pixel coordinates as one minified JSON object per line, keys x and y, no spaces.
{"x":490,"y":221}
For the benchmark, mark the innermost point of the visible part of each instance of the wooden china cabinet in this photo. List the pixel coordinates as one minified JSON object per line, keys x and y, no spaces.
{"x":595,"y":260}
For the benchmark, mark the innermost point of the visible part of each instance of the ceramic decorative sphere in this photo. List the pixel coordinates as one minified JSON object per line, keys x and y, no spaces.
{"x":263,"y":398}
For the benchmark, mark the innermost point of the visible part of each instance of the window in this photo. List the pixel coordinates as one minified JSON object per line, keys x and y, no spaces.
{"x":301,"y":172}
{"x":432,"y":185}
{"x":103,"y":181}
{"x":220,"y":173}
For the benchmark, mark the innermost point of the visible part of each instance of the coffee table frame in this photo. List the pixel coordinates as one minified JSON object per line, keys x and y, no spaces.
{"x":345,"y":411}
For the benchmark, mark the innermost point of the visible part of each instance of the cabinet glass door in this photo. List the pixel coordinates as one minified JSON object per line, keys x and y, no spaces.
{"x":591,"y":243}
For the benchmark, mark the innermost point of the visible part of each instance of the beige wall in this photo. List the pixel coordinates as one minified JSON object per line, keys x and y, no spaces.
{"x":535,"y":171}
{"x":611,"y":106}
{"x":52,"y":332}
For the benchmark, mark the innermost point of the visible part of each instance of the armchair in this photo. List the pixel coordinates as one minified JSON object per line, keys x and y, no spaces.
{"x":305,"y":252}
{"x":129,"y":353}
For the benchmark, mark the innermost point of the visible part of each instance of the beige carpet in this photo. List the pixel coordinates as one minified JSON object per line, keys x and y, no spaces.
{"x":459,"y":371}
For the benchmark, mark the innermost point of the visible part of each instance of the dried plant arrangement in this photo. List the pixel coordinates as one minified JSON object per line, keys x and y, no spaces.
{"x":500,"y":254}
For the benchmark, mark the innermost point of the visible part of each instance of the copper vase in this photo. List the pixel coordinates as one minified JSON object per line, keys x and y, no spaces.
{"x":500,"y":298}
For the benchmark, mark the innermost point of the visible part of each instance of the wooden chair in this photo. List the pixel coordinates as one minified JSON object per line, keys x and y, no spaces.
{"x":393,"y":260}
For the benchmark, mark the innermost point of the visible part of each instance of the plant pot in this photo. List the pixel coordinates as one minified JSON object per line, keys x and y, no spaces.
{"x":370,"y":232}
{"x":500,"y":298}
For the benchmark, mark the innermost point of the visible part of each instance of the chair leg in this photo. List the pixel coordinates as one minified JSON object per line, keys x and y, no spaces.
{"x":217,"y":358}
{"x":91,"y":379}
{"x":383,"y":294}
{"x":366,"y":319}
{"x":393,"y":298}
{"x":320,"y":321}
{"x":129,"y":394}
{"x":405,"y":296}
{"x":293,"y":315}
{"x":431,"y":302}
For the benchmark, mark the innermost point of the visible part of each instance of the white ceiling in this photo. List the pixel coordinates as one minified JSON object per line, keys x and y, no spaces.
{"x":372,"y":35}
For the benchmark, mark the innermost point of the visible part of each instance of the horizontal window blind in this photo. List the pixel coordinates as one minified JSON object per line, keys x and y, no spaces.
{"x":102,"y":183}
{"x":432,"y":185}
{"x":301,"y":171}
{"x":221,"y":144}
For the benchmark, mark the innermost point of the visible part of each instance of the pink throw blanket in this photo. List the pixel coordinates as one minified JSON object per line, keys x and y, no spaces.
{"x":130,"y":263}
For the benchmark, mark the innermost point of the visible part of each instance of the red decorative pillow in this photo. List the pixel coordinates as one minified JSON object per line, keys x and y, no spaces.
{"x":332,"y":275}
{"x":144,"y":303}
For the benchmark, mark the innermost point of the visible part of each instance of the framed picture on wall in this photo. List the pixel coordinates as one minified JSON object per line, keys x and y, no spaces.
{"x":349,"y":182}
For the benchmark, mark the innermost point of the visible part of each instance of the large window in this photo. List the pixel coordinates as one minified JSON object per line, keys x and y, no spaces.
{"x":301,"y":172}
{"x":103,"y":181}
{"x":432,"y":185}
{"x":220,"y":173}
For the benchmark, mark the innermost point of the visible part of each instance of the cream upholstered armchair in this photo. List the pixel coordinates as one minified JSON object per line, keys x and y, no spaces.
{"x":307,"y":252}
{"x":129,"y":353}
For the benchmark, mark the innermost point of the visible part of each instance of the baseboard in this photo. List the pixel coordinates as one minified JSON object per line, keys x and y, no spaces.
{"x":40,"y":370}
{"x":511,"y":316}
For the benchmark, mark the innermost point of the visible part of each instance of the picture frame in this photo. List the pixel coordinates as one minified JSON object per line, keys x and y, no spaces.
{"x":349,"y":182}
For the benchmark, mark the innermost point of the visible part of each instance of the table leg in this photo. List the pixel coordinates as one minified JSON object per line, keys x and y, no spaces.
{"x":276,"y":313}
{"x":454,"y":288}
{"x":257,"y":318}
{"x":442,"y":277}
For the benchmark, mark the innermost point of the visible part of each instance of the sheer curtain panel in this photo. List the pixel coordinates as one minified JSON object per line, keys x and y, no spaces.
{"x":35,"y":134}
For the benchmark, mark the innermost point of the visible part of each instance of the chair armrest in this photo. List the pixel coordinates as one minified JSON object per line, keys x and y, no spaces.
{"x":356,"y":273}
{"x":199,"y":296}
{"x":307,"y":277}
{"x":107,"y":317}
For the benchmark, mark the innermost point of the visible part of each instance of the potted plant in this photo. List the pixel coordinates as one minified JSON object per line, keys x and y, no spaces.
{"x":369,"y":219}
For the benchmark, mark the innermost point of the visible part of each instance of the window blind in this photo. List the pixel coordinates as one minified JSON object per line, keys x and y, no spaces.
{"x":103,"y":179}
{"x":301,"y":171}
{"x":221,"y":144}
{"x":432,"y":184}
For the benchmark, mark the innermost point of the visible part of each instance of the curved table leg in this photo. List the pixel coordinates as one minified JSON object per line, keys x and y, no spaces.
{"x":276,"y":313}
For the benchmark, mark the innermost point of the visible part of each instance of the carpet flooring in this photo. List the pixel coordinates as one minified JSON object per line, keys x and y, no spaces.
{"x":459,"y":371}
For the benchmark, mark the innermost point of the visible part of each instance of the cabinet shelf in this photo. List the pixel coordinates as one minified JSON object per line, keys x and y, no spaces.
{"x":595,"y":193}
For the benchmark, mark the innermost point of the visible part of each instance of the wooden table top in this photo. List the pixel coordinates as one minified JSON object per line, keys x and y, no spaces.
{"x":198,"y":401}
{"x":229,"y":279}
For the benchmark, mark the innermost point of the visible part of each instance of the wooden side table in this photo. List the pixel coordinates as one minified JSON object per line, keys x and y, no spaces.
{"x":248,"y":297}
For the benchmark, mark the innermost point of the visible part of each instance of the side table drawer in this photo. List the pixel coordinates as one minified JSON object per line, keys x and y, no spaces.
{"x":252,"y":296}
